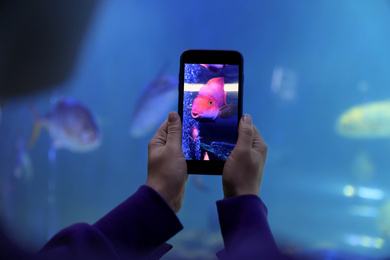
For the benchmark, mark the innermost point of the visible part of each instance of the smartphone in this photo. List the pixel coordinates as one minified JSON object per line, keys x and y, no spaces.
{"x":210,"y":107}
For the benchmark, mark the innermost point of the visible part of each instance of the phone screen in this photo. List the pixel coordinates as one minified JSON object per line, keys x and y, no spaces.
{"x":210,"y":105}
{"x":210,"y":111}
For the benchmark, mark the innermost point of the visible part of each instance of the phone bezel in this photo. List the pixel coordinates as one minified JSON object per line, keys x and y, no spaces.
{"x":209,"y":57}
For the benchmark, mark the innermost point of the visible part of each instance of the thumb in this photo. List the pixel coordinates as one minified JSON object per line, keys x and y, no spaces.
{"x":160,"y":137}
{"x":174,"y":129}
{"x":245,"y":131}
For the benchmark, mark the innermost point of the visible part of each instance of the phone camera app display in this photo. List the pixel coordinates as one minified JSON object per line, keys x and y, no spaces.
{"x":210,"y":115}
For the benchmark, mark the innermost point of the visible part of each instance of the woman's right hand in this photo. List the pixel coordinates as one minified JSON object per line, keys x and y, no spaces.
{"x":244,"y":167}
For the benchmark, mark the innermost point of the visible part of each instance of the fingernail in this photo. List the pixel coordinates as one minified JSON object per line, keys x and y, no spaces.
{"x":247,"y":119}
{"x":173,"y":117}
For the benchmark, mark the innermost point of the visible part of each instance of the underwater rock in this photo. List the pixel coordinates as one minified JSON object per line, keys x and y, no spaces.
{"x":219,"y":149}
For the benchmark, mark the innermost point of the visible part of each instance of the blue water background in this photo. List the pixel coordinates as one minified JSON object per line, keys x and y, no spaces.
{"x":339,"y":52}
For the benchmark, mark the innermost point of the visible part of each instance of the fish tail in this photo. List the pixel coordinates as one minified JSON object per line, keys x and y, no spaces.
{"x":35,"y":133}
{"x":227,"y":111}
{"x":36,"y":127}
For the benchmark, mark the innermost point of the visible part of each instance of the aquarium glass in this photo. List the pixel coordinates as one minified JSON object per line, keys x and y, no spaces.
{"x":316,"y":85}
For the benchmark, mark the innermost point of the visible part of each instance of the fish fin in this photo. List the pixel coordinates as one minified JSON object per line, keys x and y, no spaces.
{"x":39,"y":122}
{"x":189,"y":107}
{"x":224,"y":106}
{"x":227,"y":111}
{"x":219,"y":81}
{"x":224,"y":99}
{"x":35,"y":133}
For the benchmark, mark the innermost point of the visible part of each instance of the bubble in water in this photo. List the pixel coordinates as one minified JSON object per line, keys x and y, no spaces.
{"x":191,"y":73}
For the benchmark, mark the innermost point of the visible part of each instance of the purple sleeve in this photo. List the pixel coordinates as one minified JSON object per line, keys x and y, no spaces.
{"x":136,"y":229}
{"x":245,"y":229}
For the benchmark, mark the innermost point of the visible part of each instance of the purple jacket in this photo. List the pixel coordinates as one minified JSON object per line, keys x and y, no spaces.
{"x":140,"y":226}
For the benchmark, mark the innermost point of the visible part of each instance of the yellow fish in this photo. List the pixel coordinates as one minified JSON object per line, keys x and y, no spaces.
{"x":371,"y":120}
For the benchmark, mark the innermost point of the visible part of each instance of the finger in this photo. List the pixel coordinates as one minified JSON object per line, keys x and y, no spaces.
{"x":160,"y":137}
{"x":174,"y":129}
{"x":258,"y":142}
{"x":245,"y":131}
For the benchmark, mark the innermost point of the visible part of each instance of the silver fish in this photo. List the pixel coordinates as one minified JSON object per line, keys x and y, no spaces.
{"x":154,"y":103}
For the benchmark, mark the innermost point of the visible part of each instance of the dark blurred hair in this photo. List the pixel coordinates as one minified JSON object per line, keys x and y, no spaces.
{"x":39,"y":42}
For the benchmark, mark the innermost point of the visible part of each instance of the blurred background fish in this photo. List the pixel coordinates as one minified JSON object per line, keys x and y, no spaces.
{"x":23,"y":168}
{"x":321,"y":193}
{"x":371,"y":120}
{"x":71,"y":126}
{"x":284,"y":83}
{"x":155,"y":101}
{"x":198,"y":182}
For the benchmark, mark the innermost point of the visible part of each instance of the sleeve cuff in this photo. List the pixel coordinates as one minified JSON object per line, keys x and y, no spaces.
{"x":141,"y":224}
{"x":244,"y":227}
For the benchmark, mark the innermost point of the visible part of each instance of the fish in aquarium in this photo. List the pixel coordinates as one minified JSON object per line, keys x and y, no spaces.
{"x":155,"y":101}
{"x":194,"y":134}
{"x":206,"y":157}
{"x":214,"y":67}
{"x":211,"y":102}
{"x":371,"y":120}
{"x":70,"y":125}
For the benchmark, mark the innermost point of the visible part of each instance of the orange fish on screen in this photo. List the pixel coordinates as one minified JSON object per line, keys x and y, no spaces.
{"x":211,"y":102}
